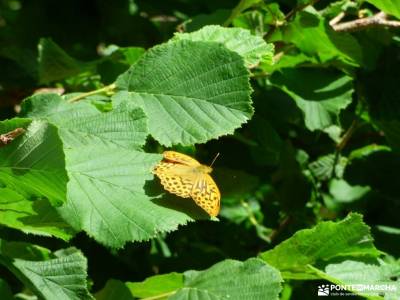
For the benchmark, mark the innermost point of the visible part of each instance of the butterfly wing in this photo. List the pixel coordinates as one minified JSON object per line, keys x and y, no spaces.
{"x":172,"y":156}
{"x":206,"y":194}
{"x":175,"y":178}
{"x":180,"y":174}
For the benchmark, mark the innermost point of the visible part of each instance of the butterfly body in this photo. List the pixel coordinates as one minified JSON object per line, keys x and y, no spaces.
{"x":184,"y":176}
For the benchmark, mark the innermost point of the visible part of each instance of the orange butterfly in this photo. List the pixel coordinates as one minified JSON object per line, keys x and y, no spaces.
{"x":186,"y":177}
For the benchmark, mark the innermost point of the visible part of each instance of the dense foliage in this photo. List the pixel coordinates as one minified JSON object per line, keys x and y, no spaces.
{"x":300,"y":98}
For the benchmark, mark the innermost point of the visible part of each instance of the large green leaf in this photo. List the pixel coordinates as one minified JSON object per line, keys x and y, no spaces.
{"x":327,"y":240}
{"x":109,"y":176}
{"x":190,"y":91}
{"x":106,"y":195}
{"x":391,"y":7}
{"x":252,"y":48}
{"x":229,"y":279}
{"x":63,"y":276}
{"x":321,"y":94}
{"x":34,"y":163}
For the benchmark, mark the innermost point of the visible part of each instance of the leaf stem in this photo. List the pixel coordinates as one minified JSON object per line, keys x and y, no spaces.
{"x":252,"y":218}
{"x":106,"y":89}
{"x":160,"y":296}
{"x":254,"y":222}
{"x":282,"y":225}
{"x":347,"y":135}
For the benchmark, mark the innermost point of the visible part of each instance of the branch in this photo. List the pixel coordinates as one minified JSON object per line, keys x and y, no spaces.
{"x":8,"y":137}
{"x":378,"y":20}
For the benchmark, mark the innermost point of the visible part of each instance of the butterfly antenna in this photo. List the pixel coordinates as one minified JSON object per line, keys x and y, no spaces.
{"x":215,"y":158}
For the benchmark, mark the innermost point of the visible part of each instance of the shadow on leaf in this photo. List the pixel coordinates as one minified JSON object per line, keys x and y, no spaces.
{"x":160,"y":197}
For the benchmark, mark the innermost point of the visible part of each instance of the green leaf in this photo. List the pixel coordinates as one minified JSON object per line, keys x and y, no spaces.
{"x":322,"y":168}
{"x":61,"y":277}
{"x":34,"y":164}
{"x":25,"y":251}
{"x":109,"y":176}
{"x":55,"y":64}
{"x":156,"y":285}
{"x":252,"y":279}
{"x":388,"y":229}
{"x":289,"y":59}
{"x":343,"y":192}
{"x":190,"y":91}
{"x":349,"y":237}
{"x":114,"y":289}
{"x":362,"y":274}
{"x":106,"y":196}
{"x":363,"y":152}
{"x":320,"y":94}
{"x":229,"y":279}
{"x":130,"y":55}
{"x":252,"y":48}
{"x":312,"y":34}
{"x":36,"y":217}
{"x":239,"y":8}
{"x":391,"y":7}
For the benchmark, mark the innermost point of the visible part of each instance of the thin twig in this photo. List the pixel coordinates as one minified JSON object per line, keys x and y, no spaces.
{"x":343,"y":142}
{"x":8,"y":137}
{"x":346,"y":137}
{"x":378,"y":20}
{"x":337,"y":19}
{"x":282,"y":225}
